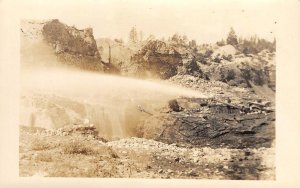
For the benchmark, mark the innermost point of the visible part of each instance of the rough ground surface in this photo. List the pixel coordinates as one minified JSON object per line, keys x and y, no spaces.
{"x":211,"y":124}
{"x":72,"y":152}
{"x":229,"y":134}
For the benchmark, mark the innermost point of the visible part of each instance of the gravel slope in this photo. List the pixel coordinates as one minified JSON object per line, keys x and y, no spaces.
{"x":78,"y":154}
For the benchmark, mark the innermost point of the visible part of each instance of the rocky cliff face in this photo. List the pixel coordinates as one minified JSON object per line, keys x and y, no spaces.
{"x":66,"y":39}
{"x":164,"y":59}
{"x":158,"y":59}
{"x":57,"y":43}
{"x":226,"y":64}
{"x":67,"y":45}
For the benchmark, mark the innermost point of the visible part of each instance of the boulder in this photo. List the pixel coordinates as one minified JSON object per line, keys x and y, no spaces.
{"x":173,"y":105}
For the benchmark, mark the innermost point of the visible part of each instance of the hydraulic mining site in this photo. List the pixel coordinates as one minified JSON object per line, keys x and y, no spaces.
{"x":145,"y":108}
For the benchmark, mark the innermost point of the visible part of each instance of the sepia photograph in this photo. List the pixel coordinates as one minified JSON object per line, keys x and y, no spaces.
{"x":148,"y":90}
{"x":157,"y":94}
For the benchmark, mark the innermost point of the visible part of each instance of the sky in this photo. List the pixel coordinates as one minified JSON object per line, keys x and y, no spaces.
{"x":204,"y":21}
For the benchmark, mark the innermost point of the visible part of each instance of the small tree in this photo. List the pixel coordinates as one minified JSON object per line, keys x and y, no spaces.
{"x":151,"y":37}
{"x":221,"y":43}
{"x":119,"y":41}
{"x":184,"y":39}
{"x":192,"y":44}
{"x":133,"y":36}
{"x":232,"y":37}
{"x":274,"y":45}
{"x":179,"y":40}
{"x":240,"y":40}
{"x":141,"y":36}
{"x":176,"y":38}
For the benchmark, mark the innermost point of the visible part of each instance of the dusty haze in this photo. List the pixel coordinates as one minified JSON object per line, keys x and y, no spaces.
{"x":112,"y":103}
